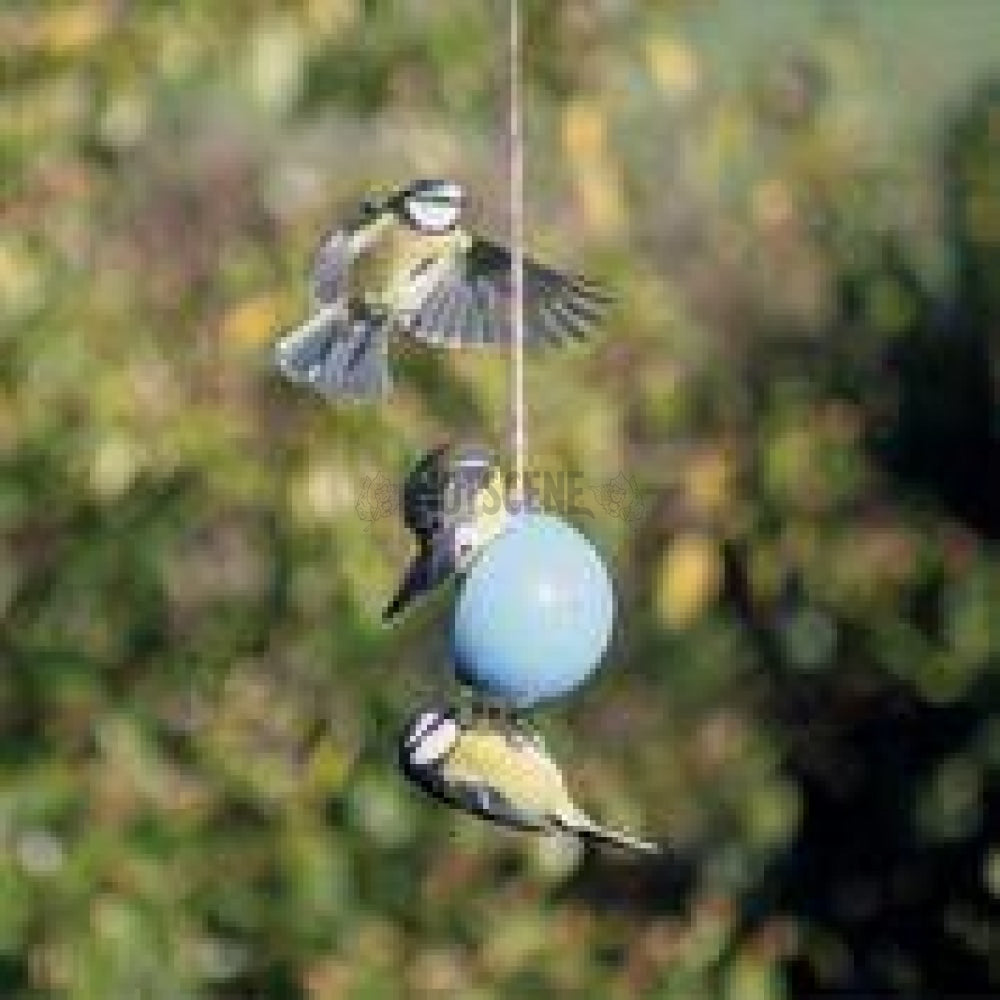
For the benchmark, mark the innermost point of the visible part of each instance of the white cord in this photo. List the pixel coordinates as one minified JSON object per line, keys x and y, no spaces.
{"x":517,"y":243}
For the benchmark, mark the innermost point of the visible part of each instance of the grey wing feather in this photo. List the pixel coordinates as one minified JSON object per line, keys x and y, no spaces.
{"x":475,"y":798}
{"x":494,"y":316}
{"x":330,"y":268}
{"x":337,"y":356}
{"x":479,"y":313}
{"x":490,"y":804}
{"x":472,"y":301}
{"x":451,"y":318}
{"x":429,"y":317}
{"x":428,"y":570}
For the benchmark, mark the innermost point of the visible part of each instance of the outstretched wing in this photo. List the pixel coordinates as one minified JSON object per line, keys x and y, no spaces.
{"x":338,"y":357}
{"x":469,"y":301}
{"x":330,"y":268}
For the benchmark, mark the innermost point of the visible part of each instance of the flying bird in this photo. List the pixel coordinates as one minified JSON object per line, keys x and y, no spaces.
{"x":502,"y":774}
{"x":406,"y":264}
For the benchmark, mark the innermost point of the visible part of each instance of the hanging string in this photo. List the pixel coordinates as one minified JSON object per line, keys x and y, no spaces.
{"x":517,"y":246}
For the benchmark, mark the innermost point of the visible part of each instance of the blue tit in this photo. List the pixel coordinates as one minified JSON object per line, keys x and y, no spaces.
{"x":500,"y":773}
{"x":454,"y":503}
{"x":406,"y":264}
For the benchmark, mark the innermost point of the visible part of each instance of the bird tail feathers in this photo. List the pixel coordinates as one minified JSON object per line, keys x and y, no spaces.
{"x":428,"y":569}
{"x":594,"y":832}
{"x":337,"y":354}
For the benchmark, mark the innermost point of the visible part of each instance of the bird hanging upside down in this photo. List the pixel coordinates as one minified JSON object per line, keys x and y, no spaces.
{"x":502,"y":774}
{"x":406,"y":264}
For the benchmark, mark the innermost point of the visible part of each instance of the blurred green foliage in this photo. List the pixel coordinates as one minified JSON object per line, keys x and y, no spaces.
{"x":800,"y":206}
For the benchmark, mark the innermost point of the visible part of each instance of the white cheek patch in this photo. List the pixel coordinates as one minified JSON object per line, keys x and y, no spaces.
{"x":433,"y":217}
{"x":466,"y":542}
{"x":450,"y":190}
{"x":420,"y":726}
{"x":436,"y":743}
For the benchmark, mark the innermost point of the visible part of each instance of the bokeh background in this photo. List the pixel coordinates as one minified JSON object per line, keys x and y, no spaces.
{"x":797,"y":404}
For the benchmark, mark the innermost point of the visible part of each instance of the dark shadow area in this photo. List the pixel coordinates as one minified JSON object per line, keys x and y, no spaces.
{"x":911,"y":911}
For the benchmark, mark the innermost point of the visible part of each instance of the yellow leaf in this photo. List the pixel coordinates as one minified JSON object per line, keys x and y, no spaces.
{"x":672,"y":64}
{"x":690,"y":578}
{"x":328,"y":768}
{"x":598,"y":179}
{"x":251,"y":322}
{"x":707,"y":482}
{"x":771,"y":203}
{"x":71,"y":29}
{"x":584,"y":130}
{"x":333,"y":17}
{"x":600,"y":193}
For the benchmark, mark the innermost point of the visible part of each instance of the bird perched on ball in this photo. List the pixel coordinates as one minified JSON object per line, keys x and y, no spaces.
{"x":405,"y":264}
{"x":502,"y":774}
{"x":454,"y":501}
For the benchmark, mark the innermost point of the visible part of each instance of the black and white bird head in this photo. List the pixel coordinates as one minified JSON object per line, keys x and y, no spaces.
{"x":471,"y":472}
{"x":431,"y":206}
{"x":427,"y":739}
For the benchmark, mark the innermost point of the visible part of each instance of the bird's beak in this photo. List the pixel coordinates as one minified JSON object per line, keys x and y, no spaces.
{"x":368,"y":211}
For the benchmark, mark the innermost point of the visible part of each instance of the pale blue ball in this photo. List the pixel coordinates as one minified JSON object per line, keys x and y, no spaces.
{"x":534,"y":614}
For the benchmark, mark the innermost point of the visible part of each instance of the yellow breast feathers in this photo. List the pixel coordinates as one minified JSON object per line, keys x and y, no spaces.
{"x":396,"y":265}
{"x":486,"y":756}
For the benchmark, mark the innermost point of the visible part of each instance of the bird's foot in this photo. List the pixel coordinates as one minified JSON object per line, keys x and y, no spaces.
{"x":519,"y":732}
{"x":500,"y":715}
